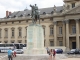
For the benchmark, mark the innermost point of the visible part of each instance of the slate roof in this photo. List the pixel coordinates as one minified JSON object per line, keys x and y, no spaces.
{"x":28,"y":12}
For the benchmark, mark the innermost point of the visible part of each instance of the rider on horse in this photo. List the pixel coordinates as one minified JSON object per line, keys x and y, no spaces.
{"x":35,"y":13}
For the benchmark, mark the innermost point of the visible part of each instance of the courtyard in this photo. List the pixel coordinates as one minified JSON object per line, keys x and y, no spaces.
{"x":3,"y":56}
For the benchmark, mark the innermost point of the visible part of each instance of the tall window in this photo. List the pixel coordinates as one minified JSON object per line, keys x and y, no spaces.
{"x":73,"y":29}
{"x":6,"y":33}
{"x":12,"y":41}
{"x":44,"y":42}
{"x":44,"y":30}
{"x":73,"y":5}
{"x":60,"y":43}
{"x":51,"y":43}
{"x":19,"y":41}
{"x":20,"y":33}
{"x":26,"y":32}
{"x":0,"y":33}
{"x":60,"y":30}
{"x":12,"y":33}
{"x":5,"y":41}
{"x":51,"y":30}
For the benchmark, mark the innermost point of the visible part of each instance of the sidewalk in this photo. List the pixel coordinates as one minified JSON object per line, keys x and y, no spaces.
{"x":71,"y":59}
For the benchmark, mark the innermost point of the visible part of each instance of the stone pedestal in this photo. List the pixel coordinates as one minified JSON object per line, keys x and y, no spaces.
{"x":35,"y":40}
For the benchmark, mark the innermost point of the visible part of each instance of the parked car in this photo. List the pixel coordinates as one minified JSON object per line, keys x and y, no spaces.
{"x":58,"y":50}
{"x":74,"y":51}
{"x":18,"y":51}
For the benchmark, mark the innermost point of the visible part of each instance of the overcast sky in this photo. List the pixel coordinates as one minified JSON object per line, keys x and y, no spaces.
{"x":19,"y":5}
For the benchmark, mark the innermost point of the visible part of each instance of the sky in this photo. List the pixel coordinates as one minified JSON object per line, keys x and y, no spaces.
{"x":20,"y":5}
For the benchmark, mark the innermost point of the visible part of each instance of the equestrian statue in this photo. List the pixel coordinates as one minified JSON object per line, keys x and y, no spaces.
{"x":35,"y":14}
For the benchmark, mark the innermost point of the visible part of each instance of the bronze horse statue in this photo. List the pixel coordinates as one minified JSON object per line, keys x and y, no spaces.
{"x":35,"y":14}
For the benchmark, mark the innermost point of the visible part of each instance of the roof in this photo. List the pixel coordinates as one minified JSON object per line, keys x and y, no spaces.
{"x":42,"y":11}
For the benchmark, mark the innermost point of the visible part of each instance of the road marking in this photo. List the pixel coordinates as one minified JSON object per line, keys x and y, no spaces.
{"x":1,"y":57}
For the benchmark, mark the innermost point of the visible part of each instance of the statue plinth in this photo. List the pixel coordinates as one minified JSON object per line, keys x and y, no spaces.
{"x":35,"y":40}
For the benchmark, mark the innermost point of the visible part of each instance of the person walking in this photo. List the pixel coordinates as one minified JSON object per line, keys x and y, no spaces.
{"x":14,"y":54}
{"x":51,"y":54}
{"x":47,"y":50}
{"x":10,"y":54}
{"x":54,"y":53}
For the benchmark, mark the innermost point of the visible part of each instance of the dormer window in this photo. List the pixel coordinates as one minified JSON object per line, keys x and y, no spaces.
{"x":52,"y":12}
{"x":73,"y":5}
{"x":14,"y":16}
{"x":28,"y":15}
{"x":60,"y":10}
{"x":44,"y":13}
{"x":21,"y":15}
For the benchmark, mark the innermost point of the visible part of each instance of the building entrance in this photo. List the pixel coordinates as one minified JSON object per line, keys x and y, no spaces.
{"x":73,"y":45}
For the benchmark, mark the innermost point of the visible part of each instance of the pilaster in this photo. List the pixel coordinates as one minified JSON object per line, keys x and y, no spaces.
{"x":9,"y":35}
{"x":64,"y":33}
{"x":55,"y":33}
{"x":67,"y":34}
{"x":77,"y":33}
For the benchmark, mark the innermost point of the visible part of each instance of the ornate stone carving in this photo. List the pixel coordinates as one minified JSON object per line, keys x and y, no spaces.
{"x":19,"y":27}
{"x":54,"y":9}
{"x":6,"y":29}
{"x":26,"y":27}
{"x":67,"y":21}
{"x":55,"y":22}
{"x":77,"y":20}
{"x":63,"y":22}
{"x":43,"y":26}
{"x":12,"y":28}
{"x":75,"y":10}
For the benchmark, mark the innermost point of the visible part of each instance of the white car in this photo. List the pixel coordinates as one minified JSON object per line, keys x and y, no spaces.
{"x":19,"y":51}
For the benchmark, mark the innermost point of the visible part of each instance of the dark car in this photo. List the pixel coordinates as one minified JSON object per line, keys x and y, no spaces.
{"x":74,"y":51}
{"x":59,"y":51}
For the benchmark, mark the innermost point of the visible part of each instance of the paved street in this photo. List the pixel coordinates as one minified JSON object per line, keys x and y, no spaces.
{"x":3,"y":56}
{"x":71,"y":59}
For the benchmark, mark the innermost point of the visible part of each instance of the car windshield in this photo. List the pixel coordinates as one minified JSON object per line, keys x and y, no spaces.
{"x":73,"y":50}
{"x":56,"y":49}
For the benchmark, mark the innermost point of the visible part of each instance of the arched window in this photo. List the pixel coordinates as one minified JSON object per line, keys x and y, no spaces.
{"x":0,"y":32}
{"x":28,"y":15}
{"x":60,"y":10}
{"x":6,"y":33}
{"x":14,"y":16}
{"x":12,"y":33}
{"x":20,"y":31}
{"x":52,"y":12}
{"x":43,"y":29}
{"x":21,"y":15}
{"x":51,"y":30}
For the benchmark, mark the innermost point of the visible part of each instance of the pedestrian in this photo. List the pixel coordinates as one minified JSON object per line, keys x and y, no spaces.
{"x":51,"y":54}
{"x":10,"y":54}
{"x":47,"y":50}
{"x":54,"y":53}
{"x":14,"y":54}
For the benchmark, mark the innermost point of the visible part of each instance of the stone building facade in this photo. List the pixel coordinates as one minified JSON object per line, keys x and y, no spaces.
{"x":61,"y":25}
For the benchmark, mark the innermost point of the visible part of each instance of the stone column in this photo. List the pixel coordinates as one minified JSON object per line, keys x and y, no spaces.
{"x":64,"y":35}
{"x":67,"y":34}
{"x":55,"y":33}
{"x":77,"y":33}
